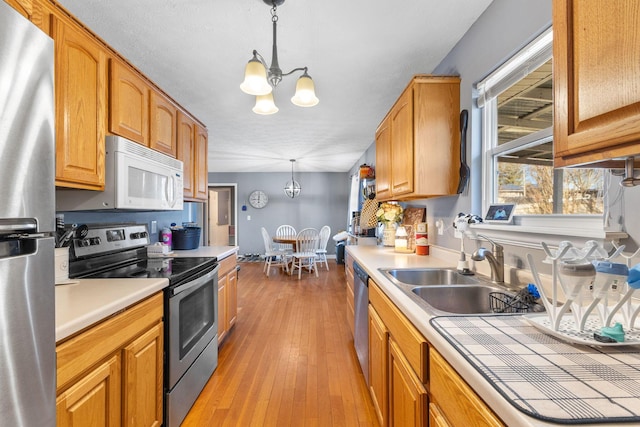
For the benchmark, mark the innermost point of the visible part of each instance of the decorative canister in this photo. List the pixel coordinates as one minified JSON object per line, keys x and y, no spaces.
{"x":389,"y":234}
{"x":422,"y":239}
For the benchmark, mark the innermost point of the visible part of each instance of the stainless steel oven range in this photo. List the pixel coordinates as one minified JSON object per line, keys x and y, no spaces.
{"x":190,"y":304}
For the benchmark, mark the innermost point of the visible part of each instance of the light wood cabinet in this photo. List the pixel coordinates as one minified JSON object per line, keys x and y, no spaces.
{"x":378,"y":365}
{"x":163,"y":122}
{"x":596,"y":81}
{"x":383,"y":160}
{"x":436,"y":418}
{"x":128,"y":103}
{"x":111,"y":374}
{"x":417,"y":143}
{"x":201,"y":175}
{"x":192,"y":150}
{"x":398,"y":360}
{"x":227,"y":296}
{"x":407,"y":395}
{"x":80,"y":92}
{"x":348,"y":270}
{"x":454,"y":399}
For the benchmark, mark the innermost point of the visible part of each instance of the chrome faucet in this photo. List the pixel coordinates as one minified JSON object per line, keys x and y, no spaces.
{"x":495,"y":258}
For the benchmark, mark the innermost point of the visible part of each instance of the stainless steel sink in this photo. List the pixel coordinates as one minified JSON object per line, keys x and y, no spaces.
{"x":461,"y":299}
{"x":428,"y":276}
{"x":442,"y":291}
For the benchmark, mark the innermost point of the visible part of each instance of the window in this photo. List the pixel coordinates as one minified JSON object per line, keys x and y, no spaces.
{"x":517,"y":114}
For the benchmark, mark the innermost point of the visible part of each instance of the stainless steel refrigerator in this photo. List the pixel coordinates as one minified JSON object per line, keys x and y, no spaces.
{"x":27,"y":217}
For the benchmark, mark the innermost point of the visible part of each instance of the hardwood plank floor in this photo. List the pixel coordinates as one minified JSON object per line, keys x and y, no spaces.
{"x":289,"y":360}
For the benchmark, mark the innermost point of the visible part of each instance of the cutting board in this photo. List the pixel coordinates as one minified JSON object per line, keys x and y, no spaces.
{"x":413,"y":216}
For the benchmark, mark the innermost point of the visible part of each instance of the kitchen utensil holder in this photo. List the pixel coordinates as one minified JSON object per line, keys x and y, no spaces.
{"x":591,"y":251}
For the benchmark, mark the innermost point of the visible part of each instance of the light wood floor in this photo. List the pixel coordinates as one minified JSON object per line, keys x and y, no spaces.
{"x":289,"y":360}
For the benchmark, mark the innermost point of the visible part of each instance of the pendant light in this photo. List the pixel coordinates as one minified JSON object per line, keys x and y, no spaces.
{"x":260,"y":80}
{"x":292,"y":188}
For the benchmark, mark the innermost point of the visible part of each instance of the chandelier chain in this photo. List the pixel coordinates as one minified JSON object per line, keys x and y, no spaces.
{"x":274,"y":13}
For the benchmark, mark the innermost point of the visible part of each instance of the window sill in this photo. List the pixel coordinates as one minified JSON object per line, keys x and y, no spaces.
{"x":529,"y":231}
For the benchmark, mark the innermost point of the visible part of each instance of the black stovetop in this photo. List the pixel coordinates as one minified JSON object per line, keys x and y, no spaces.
{"x":174,"y":269}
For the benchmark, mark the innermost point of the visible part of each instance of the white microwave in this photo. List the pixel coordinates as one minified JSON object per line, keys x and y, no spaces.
{"x":136,"y":178}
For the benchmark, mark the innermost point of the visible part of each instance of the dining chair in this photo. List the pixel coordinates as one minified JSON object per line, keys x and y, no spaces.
{"x":321,"y":252}
{"x":286,"y":231}
{"x":305,"y":254}
{"x":272,"y":257}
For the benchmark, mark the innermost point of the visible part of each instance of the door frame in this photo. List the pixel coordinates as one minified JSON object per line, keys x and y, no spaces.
{"x":232,"y":202}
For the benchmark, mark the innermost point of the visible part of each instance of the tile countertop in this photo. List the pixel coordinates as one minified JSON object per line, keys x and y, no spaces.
{"x":373,"y":257}
{"x":81,"y":304}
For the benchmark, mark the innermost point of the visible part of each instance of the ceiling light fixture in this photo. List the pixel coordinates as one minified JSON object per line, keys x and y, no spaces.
{"x":260,"y":81}
{"x":292,"y":188}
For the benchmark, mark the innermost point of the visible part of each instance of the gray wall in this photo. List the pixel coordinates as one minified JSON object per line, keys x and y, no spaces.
{"x":322,"y":201}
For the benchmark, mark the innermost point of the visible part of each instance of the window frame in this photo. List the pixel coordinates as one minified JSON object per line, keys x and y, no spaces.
{"x":548,"y":227}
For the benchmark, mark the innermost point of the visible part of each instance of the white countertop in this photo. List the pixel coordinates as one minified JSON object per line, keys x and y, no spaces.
{"x":220,"y":252}
{"x":89,"y":301}
{"x":373,"y":257}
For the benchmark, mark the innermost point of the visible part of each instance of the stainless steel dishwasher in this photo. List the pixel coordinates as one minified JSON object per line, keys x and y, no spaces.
{"x":361,"y":336}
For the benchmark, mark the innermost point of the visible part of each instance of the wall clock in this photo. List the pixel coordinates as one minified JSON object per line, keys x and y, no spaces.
{"x":258,"y":199}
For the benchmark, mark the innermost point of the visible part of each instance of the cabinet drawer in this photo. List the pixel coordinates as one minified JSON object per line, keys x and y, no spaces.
{"x":459,"y":403}
{"x":409,"y":339}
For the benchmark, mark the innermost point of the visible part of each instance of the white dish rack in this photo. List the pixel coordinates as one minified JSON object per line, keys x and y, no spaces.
{"x":582,"y":309}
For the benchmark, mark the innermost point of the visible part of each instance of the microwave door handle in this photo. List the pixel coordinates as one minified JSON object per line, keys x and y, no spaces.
{"x":170,"y":189}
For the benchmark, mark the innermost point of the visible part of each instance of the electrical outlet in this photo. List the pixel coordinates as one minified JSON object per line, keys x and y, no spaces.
{"x":440,"y":227}
{"x":154,"y":226}
{"x":248,"y":217}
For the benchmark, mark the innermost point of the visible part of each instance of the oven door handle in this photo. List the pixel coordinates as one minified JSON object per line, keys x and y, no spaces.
{"x":196,"y":282}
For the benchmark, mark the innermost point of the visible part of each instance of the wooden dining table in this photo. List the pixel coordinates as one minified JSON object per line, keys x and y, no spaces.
{"x":287,"y":240}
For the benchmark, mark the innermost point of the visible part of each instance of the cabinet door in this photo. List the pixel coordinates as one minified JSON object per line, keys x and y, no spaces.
{"x":80,"y":78}
{"x":407,"y":395}
{"x":378,"y":365}
{"x":222,"y":308}
{"x":436,"y":417}
{"x":232,"y":297}
{"x":186,"y":149}
{"x":200,"y":162}
{"x":128,"y":103}
{"x":596,"y":80}
{"x":402,"y":144}
{"x":163,"y":119}
{"x":94,"y":400}
{"x":383,"y":161}
{"x":143,"y":369}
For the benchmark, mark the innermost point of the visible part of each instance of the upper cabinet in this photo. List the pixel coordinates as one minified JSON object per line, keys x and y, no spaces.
{"x":192,"y":150}
{"x":596,"y":81}
{"x":163,"y":124}
{"x":417,"y":143}
{"x":80,"y":99}
{"x":128,"y":103}
{"x":98,"y":92}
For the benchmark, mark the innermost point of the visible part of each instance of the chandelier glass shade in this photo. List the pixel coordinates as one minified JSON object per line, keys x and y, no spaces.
{"x":292,"y":188}
{"x":260,"y":80}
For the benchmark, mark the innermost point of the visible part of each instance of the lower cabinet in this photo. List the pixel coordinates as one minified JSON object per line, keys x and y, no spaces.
{"x":112,"y":373}
{"x":227,"y":296}
{"x":397,"y":364}
{"x":410,"y":383}
{"x":455,"y":403}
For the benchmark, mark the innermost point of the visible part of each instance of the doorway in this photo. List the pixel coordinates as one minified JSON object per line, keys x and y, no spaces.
{"x":222,"y":216}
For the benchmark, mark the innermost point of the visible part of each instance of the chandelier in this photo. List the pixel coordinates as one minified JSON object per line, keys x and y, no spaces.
{"x":292,"y":188}
{"x":260,"y":81}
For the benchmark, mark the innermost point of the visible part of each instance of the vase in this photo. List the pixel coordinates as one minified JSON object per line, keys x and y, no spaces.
{"x":389,"y":234}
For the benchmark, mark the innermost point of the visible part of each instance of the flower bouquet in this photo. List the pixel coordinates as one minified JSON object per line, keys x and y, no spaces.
{"x":389,"y":214}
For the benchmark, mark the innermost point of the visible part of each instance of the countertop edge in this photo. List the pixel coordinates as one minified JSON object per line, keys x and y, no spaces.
{"x":371,"y":258}
{"x":221,"y":252}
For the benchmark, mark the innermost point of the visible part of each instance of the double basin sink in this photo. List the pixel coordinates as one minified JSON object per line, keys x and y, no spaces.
{"x":445,"y":291}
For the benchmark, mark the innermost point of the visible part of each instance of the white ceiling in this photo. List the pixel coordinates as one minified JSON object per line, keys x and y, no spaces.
{"x":360,"y":53}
